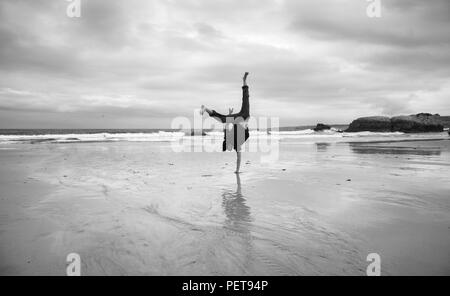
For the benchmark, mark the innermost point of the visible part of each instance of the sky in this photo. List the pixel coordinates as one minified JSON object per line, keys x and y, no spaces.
{"x":142,"y":63}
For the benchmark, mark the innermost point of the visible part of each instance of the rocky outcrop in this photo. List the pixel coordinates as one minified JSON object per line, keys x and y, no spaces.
{"x":445,"y":120}
{"x":419,"y":123}
{"x":321,"y":127}
{"x":371,"y":124}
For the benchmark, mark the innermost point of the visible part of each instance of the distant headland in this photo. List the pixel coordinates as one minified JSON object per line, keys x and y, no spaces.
{"x":417,"y":123}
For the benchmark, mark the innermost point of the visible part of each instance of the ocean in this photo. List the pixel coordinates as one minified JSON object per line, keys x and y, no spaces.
{"x":335,"y":134}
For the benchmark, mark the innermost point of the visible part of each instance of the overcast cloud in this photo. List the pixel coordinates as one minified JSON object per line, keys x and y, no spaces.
{"x":140,"y":63}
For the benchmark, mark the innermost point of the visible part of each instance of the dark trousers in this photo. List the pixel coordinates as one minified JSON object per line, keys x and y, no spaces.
{"x":245,"y":109}
{"x":238,"y":135}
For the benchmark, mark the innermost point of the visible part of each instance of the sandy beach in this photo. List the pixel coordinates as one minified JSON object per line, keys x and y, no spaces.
{"x":139,"y":208}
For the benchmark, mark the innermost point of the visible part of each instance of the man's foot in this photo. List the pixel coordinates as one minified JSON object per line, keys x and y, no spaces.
{"x":244,"y":79}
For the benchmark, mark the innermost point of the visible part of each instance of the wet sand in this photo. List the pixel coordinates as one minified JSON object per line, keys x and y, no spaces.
{"x":142,"y":209}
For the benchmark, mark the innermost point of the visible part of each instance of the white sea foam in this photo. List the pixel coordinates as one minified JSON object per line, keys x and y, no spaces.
{"x":160,"y":136}
{"x":332,"y":135}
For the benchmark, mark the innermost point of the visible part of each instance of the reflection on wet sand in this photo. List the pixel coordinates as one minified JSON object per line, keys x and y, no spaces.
{"x":238,"y":240}
{"x":386,"y":148}
{"x":322,"y":147}
{"x":236,"y":211}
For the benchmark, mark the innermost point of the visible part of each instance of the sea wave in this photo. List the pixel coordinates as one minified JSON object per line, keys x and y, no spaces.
{"x":372,"y":134}
{"x":308,"y":135}
{"x":160,"y":136}
{"x":254,"y":133}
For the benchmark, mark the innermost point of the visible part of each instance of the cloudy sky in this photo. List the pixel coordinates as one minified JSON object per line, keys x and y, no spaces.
{"x":140,"y":63}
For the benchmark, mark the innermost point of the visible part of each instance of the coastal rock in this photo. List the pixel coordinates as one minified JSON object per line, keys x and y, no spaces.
{"x":445,"y":120}
{"x":371,"y":124}
{"x":419,"y":123}
{"x":321,"y":127}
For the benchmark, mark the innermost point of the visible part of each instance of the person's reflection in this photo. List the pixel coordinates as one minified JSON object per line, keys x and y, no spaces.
{"x":238,"y":240}
{"x":236,"y":211}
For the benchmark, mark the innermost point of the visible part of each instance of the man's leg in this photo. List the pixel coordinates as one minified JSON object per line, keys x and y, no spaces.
{"x":244,"y":113}
{"x":238,"y":161}
{"x":217,"y":116}
{"x":245,"y":107}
